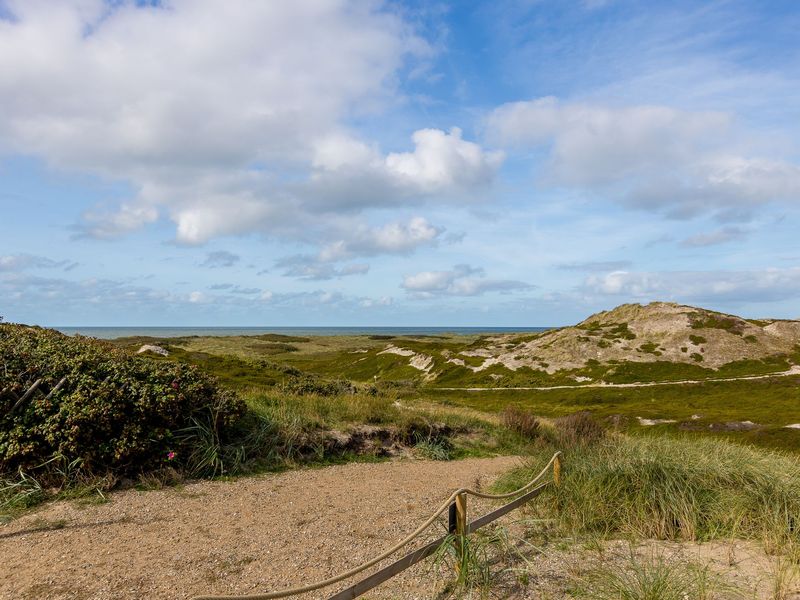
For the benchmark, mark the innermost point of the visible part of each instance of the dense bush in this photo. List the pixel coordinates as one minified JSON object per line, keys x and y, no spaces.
{"x":578,"y":429}
{"x":310,"y":384}
{"x":114,"y":412}
{"x":522,"y":421}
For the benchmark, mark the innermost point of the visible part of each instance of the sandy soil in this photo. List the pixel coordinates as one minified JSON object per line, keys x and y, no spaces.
{"x":252,"y":535}
{"x":266,"y":533}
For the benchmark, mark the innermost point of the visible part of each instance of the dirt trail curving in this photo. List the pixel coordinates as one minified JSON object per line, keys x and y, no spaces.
{"x":251,"y":535}
{"x":794,"y":370}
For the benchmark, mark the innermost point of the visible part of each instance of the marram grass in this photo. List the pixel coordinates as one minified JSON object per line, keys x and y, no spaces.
{"x":675,"y":488}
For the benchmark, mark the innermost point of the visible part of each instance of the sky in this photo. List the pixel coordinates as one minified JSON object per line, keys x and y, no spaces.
{"x":322,"y":162}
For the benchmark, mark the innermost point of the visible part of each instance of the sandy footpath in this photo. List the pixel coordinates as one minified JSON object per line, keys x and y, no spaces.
{"x":252,"y":535}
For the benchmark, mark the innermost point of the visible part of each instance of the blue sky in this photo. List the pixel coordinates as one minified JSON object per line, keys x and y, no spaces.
{"x":510,"y":163}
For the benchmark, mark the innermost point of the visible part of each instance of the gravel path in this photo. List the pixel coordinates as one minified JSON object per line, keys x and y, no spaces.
{"x":252,"y":535}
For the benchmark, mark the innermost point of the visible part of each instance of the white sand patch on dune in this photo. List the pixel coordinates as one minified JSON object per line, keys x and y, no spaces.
{"x":423,"y":362}
{"x":391,"y":349}
{"x":649,"y":422}
{"x":793,"y":426}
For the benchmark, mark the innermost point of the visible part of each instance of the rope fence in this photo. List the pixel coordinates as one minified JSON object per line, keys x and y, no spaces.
{"x":456,"y":503}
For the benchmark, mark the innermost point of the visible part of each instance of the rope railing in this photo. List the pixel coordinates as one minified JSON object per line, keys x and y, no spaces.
{"x":460,"y":493}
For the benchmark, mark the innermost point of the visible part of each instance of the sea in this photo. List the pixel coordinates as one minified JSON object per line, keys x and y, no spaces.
{"x":110,"y":333}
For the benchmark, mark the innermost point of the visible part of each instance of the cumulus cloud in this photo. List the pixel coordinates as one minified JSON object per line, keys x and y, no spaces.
{"x":350,"y":174}
{"x":220,"y":259}
{"x":361,"y":241}
{"x":698,"y":286}
{"x":461,"y":280}
{"x":651,"y":157}
{"x":392,"y":238}
{"x":443,"y":160}
{"x":222,"y":118}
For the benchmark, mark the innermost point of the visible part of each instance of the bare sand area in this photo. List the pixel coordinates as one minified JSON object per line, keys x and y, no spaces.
{"x":251,"y":535}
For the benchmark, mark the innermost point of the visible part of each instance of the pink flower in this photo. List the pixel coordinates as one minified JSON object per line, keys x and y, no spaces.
{"x":170,"y":455}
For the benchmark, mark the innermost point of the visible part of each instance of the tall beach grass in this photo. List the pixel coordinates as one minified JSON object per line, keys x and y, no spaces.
{"x":674,"y":488}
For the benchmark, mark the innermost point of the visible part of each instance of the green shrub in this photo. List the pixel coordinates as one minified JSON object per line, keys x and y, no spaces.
{"x":578,"y":429}
{"x":521,"y":421}
{"x":709,"y":320}
{"x":114,"y":412}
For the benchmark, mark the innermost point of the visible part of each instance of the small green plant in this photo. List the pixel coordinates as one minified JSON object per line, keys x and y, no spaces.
{"x":697,"y":339}
{"x":434,"y":449}
{"x":696,"y":357}
{"x":783,"y":578}
{"x":650,"y":578}
{"x":649,"y":348}
{"x":471,"y":563}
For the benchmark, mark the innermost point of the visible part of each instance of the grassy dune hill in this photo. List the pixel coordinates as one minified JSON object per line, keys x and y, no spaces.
{"x":637,"y":333}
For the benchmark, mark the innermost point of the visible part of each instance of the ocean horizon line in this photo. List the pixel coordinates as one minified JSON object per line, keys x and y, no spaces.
{"x":165,"y":331}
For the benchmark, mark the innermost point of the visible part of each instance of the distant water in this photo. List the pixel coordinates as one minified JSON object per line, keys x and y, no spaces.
{"x":109,"y":333}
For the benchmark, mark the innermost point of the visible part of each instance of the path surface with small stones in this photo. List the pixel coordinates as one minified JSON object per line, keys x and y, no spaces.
{"x":246,"y":536}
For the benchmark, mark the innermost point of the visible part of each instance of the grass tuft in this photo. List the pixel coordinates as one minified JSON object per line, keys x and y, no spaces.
{"x":652,"y":578}
{"x":675,"y":488}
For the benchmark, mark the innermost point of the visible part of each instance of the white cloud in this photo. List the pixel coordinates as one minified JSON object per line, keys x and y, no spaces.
{"x":654,"y":157}
{"x":392,"y":238}
{"x":222,"y":118}
{"x":188,"y":84}
{"x":698,"y":286}
{"x":361,"y":241}
{"x":350,"y":174}
{"x":376,"y":302}
{"x":443,"y":160}
{"x":462,"y":280}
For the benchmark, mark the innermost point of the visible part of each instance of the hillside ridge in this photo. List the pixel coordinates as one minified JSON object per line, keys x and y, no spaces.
{"x":659,"y":331}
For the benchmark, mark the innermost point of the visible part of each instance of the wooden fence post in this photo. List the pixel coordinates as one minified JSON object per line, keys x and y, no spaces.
{"x":461,"y":529}
{"x":557,"y":471}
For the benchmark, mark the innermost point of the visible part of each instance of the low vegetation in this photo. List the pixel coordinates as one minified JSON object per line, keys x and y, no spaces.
{"x":98,"y":416}
{"x":669,"y":488}
{"x":652,"y":578}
